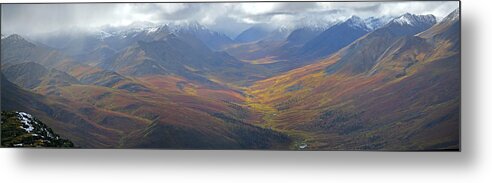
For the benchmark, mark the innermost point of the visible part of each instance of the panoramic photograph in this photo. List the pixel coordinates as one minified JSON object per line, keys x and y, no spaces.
{"x":303,"y":76}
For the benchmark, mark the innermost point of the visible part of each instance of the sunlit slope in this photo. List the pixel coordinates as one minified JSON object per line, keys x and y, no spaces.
{"x":73,"y":120}
{"x":180,"y":112}
{"x":152,"y":111}
{"x":384,"y":92}
{"x":101,"y":108}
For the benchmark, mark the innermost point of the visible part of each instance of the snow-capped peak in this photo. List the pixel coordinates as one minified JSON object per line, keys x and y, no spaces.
{"x":377,"y":22}
{"x":15,"y":37}
{"x":129,"y":30}
{"x":283,"y":29}
{"x":104,"y":35}
{"x":414,"y":20}
{"x":356,"y":21}
{"x":152,"y":29}
{"x":455,"y":15}
{"x":405,"y":19}
{"x":188,"y":26}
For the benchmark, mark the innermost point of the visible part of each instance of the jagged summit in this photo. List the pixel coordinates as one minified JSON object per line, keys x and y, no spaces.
{"x":414,"y":20}
{"x":357,"y":22}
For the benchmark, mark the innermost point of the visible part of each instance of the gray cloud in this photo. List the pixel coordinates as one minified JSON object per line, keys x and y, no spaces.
{"x":231,"y":18}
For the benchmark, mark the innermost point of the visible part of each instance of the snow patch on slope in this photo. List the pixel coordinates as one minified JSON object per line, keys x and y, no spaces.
{"x":455,"y":15}
{"x":26,"y":120}
{"x":28,"y":123}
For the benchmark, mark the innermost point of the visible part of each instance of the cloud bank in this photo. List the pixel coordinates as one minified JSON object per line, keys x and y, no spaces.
{"x":230,"y":18}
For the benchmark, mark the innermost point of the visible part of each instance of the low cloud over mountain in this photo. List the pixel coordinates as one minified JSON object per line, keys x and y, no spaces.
{"x":230,"y":18}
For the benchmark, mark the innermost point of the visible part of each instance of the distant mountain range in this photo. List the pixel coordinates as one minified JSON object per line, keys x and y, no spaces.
{"x":386,"y":83}
{"x":370,"y":48}
{"x":306,"y":44}
{"x":214,"y":40}
{"x":302,"y":35}
{"x":395,"y":88}
{"x":262,"y":32}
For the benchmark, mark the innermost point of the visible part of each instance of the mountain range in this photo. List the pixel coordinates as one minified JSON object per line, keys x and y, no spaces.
{"x":388,"y":90}
{"x":387,"y":83}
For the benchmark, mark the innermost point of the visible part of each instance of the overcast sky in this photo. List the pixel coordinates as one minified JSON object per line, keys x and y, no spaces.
{"x":230,"y":18}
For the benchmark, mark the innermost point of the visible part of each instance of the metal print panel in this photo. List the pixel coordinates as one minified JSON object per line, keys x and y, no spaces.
{"x":378,"y":76}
